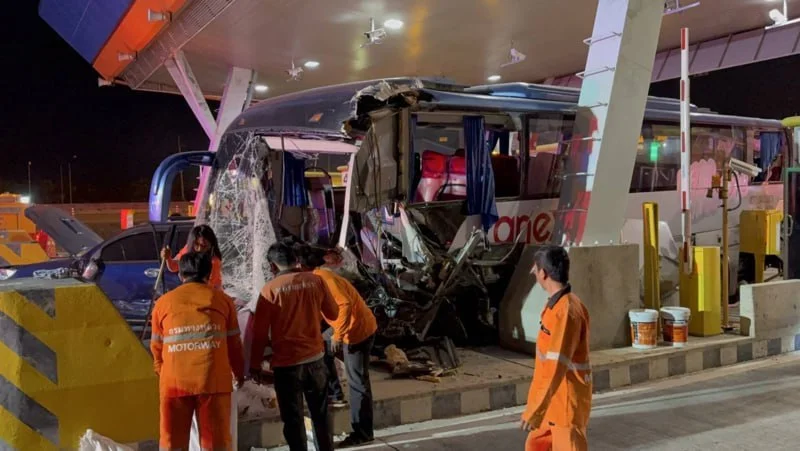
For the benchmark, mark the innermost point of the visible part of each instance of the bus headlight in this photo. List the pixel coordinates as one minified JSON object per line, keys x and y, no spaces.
{"x":7,"y":273}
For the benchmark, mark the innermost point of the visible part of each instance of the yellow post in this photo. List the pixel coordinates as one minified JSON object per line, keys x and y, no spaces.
{"x":700,"y":291}
{"x":652,"y":267}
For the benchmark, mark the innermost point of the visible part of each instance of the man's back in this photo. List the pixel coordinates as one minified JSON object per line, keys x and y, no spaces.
{"x":196,"y":341}
{"x":355,"y":322}
{"x":290,"y":310}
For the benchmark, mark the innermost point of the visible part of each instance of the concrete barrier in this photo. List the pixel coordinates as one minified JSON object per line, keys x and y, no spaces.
{"x":770,"y":310}
{"x":606,"y":278}
{"x":69,"y":362}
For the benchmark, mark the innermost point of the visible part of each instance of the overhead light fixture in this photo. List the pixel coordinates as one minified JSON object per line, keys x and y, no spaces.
{"x":261,"y":88}
{"x":158,"y":16}
{"x":393,"y":24}
{"x":780,"y":18}
{"x":311,"y":64}
{"x":125,"y":56}
{"x":101,"y":82}
{"x":494,"y":78}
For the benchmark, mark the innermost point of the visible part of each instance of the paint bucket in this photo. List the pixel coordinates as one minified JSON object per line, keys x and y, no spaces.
{"x":675,"y":325}
{"x":643,"y":328}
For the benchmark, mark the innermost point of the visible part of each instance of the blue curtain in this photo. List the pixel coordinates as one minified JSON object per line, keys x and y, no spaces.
{"x":480,"y":177}
{"x":412,"y":167}
{"x":770,"y":149}
{"x":294,"y":181}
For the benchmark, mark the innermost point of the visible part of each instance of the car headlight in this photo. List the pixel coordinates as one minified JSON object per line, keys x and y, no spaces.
{"x":7,"y":273}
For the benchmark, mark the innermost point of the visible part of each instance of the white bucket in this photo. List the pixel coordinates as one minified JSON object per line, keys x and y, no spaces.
{"x":675,"y":325}
{"x":644,"y":324}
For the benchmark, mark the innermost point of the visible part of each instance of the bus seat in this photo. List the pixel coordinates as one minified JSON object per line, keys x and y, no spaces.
{"x":539,"y":169}
{"x":456,"y":178}
{"x":434,"y":174}
{"x":506,"y":175}
{"x":320,"y":196}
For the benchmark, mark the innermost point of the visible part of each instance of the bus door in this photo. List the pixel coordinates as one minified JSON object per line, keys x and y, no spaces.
{"x":791,"y":224}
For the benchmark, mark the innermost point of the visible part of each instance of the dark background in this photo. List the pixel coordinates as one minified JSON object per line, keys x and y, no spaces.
{"x":52,"y":110}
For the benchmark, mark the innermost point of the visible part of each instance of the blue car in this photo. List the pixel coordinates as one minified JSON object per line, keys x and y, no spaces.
{"x":125,"y":267}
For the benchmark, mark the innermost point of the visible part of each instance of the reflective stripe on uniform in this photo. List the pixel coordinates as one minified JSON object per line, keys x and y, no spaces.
{"x":233,"y":332}
{"x":155,"y":337}
{"x":555,"y":356}
{"x":193,"y":336}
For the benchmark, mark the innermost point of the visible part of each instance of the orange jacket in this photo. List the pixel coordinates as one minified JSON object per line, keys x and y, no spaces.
{"x":561,"y":392}
{"x":195,"y":343}
{"x":355,"y":322}
{"x":289,"y":312}
{"x":215,"y":280}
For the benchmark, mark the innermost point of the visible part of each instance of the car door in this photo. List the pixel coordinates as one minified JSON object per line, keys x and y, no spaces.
{"x":130,"y":266}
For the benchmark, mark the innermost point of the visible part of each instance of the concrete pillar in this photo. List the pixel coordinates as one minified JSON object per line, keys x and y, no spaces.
{"x":598,"y":170}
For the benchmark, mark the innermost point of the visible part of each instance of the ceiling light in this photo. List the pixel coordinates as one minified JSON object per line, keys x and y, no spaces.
{"x":125,"y":56}
{"x":393,"y":24}
{"x":261,"y":88}
{"x":311,"y":64}
{"x":494,"y":78}
{"x":158,"y":16}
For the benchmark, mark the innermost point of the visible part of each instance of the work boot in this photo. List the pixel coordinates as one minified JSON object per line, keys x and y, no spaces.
{"x":354,"y":440}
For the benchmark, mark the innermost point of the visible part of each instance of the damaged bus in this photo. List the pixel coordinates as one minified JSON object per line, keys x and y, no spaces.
{"x":408,"y":209}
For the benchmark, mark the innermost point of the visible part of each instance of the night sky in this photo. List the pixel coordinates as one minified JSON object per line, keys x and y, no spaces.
{"x":52,"y":110}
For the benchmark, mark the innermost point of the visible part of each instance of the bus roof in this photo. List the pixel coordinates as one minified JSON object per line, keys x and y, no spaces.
{"x":322,"y":111}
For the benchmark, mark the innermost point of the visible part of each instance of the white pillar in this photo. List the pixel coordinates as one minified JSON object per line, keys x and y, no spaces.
{"x":178,"y":67}
{"x":597,"y":173}
{"x":235,"y":98}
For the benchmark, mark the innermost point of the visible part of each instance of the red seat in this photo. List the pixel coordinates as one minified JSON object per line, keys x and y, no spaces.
{"x":434,"y":173}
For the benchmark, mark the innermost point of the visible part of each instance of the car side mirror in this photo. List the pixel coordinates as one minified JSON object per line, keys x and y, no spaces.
{"x":92,"y":269}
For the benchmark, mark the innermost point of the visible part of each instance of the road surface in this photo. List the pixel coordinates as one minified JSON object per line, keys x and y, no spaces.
{"x":749,"y":406}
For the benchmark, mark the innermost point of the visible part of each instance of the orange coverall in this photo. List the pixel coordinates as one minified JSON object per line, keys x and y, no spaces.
{"x":355,"y":322}
{"x":289,"y":312}
{"x":215,"y":280}
{"x":197,"y":351}
{"x":560,"y":395}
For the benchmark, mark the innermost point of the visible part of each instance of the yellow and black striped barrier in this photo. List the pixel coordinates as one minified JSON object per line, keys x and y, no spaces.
{"x":68,"y":363}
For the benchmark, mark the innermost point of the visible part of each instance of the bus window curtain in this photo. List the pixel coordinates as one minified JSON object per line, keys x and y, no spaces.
{"x":480,"y":177}
{"x":294,"y":181}
{"x":770,"y":149}
{"x":412,"y":162}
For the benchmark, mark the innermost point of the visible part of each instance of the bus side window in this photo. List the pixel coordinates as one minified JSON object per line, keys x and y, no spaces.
{"x":657,"y":166}
{"x":769,"y":144}
{"x":548,"y":141}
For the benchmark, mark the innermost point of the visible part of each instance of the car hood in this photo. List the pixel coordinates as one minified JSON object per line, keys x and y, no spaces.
{"x":69,"y":233}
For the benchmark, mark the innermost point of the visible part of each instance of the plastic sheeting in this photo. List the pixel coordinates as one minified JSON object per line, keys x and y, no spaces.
{"x":92,"y":441}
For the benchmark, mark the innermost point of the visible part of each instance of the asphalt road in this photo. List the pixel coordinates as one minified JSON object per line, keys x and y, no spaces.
{"x":744,"y":407}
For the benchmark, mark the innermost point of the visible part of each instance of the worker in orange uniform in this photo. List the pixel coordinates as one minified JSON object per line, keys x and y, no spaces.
{"x":201,"y":239}
{"x":197,"y":353}
{"x":353,"y":333}
{"x":560,"y":396}
{"x":289,"y":312}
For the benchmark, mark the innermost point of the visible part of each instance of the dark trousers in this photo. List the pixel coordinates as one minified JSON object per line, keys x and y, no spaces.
{"x":291,"y":384}
{"x":334,"y":386}
{"x":356,"y":362}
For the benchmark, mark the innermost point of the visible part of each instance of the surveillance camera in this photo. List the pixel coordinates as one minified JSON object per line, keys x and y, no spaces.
{"x":744,"y":168}
{"x":777,"y":16}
